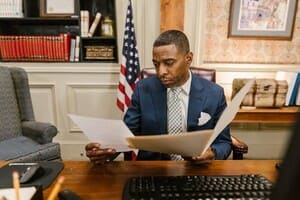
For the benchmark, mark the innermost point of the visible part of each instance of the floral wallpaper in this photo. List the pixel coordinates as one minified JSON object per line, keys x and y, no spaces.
{"x":221,"y":49}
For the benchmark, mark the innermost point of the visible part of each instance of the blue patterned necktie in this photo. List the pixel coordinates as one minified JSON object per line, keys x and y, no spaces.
{"x":175,"y":121}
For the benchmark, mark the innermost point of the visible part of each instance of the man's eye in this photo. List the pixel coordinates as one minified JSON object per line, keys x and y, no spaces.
{"x":169,"y":63}
{"x":155,"y":65}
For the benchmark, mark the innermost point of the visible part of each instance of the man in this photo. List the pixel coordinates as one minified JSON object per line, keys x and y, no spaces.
{"x":201,"y":102}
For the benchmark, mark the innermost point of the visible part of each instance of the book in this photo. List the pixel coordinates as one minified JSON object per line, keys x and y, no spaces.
{"x":94,"y":24}
{"x":72,"y":50}
{"x":77,"y":44}
{"x":297,"y":102}
{"x":295,"y":90}
{"x":84,"y":22}
{"x":291,"y":78}
{"x":66,"y":46}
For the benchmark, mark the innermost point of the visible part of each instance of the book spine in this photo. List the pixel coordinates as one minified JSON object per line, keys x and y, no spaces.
{"x":17,"y":47}
{"x":66,"y":46}
{"x":9,"y":48}
{"x":94,"y":24}
{"x":72,"y":50}
{"x":77,"y":44}
{"x":22,"y":48}
{"x":297,"y":103}
{"x":84,"y":22}
{"x":3,"y":48}
{"x":295,"y":90}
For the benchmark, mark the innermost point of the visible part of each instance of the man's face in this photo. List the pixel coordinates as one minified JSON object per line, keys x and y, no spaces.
{"x":171,"y":65}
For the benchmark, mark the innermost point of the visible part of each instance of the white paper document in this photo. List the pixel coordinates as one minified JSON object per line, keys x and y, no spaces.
{"x":26,"y":193}
{"x":108,"y":132}
{"x":191,"y":143}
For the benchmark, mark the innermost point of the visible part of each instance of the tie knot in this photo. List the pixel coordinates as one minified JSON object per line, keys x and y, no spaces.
{"x":176,"y":91}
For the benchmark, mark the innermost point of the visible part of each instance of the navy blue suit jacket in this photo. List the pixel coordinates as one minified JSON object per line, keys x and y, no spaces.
{"x":147,"y":113}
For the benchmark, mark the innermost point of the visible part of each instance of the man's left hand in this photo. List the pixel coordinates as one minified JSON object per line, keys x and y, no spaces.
{"x":207,"y":157}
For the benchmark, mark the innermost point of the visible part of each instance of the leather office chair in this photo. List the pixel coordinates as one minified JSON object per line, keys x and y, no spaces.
{"x":238,"y":147}
{"x":21,"y":137}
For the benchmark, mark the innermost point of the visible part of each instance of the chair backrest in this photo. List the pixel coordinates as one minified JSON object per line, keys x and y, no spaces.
{"x":209,"y":74}
{"x":15,"y":101}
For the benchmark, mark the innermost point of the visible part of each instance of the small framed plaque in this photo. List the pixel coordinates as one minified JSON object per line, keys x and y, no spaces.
{"x":57,"y":8}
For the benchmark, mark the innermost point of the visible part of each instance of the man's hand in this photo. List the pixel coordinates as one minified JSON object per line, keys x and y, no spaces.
{"x":207,"y":157}
{"x":98,"y":155}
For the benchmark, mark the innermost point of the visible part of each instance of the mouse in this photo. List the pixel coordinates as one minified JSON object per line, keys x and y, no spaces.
{"x":31,"y":172}
{"x":68,"y":194}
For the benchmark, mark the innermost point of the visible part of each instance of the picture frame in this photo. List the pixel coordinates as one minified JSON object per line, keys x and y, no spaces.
{"x":262,"y":19}
{"x":58,"y":8}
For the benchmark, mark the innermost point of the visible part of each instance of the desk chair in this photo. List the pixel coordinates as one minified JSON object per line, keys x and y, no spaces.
{"x":22,"y":138}
{"x":238,"y":147}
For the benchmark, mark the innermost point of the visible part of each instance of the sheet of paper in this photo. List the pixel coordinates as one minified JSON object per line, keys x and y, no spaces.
{"x":26,"y":193}
{"x":185,"y":144}
{"x":108,"y":132}
{"x":230,"y":112}
{"x":191,"y":143}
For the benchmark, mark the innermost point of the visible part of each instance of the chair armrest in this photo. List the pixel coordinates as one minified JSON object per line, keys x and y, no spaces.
{"x":41,"y":132}
{"x":239,"y":148}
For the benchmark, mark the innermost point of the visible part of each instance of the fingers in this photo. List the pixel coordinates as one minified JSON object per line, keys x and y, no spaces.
{"x":98,"y":155}
{"x":90,"y":146}
{"x":205,"y":158}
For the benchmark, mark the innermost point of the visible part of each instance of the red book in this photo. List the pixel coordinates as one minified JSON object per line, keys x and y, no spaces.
{"x":3,"y":47}
{"x":26,"y":48}
{"x":61,"y":47}
{"x":49,"y":48}
{"x":40,"y":48}
{"x":17,"y":47}
{"x":66,"y":46}
{"x":9,"y":48}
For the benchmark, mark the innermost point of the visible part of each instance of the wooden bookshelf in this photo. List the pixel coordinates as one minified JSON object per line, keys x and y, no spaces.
{"x":286,"y":115}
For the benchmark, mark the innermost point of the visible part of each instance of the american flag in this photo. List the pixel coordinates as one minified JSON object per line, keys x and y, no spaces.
{"x":130,"y":65}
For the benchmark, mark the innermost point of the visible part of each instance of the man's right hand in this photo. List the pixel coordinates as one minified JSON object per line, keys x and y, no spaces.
{"x":98,"y":155}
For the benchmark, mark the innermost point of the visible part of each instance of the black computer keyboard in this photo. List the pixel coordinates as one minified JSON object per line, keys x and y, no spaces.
{"x":197,"y":187}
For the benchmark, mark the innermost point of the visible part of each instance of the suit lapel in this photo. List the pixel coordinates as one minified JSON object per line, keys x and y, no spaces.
{"x":159,"y":97}
{"x":196,"y":102}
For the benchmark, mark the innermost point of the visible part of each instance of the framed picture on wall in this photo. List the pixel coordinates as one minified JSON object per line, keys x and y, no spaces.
{"x":57,"y":8}
{"x":262,"y":19}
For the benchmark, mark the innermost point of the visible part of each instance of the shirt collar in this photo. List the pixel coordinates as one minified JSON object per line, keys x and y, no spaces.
{"x":186,"y":87}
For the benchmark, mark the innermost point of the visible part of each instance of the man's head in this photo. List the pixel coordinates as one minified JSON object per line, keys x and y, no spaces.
{"x":172,"y":58}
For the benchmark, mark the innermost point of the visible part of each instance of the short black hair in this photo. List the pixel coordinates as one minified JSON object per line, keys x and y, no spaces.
{"x":176,"y":37}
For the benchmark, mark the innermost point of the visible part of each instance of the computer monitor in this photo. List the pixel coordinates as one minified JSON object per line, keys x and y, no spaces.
{"x":287,"y":185}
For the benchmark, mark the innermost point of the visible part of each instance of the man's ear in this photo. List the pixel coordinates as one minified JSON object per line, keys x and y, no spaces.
{"x":189,"y":58}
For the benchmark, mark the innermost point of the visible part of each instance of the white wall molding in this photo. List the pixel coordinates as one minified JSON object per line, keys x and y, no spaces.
{"x":44,"y":101}
{"x":85,"y":99}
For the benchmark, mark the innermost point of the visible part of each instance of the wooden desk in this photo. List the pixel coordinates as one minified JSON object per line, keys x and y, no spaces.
{"x":107,"y":181}
{"x":267,"y":115}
